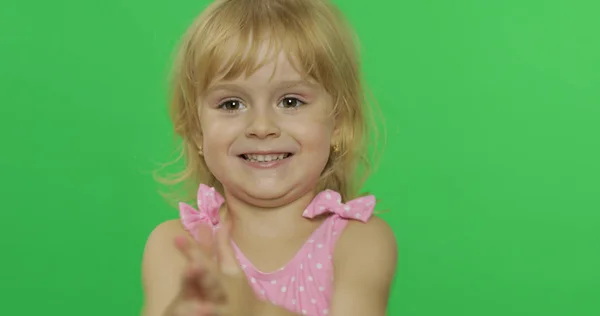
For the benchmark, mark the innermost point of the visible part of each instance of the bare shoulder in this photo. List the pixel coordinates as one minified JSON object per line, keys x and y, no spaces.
{"x":365,"y":260}
{"x":160,"y":240}
{"x":375,"y":238}
{"x":162,"y":266}
{"x":166,"y":229}
{"x":160,"y":248}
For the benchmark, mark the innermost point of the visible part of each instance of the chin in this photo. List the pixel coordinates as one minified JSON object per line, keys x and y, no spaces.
{"x":266,"y":193}
{"x":270,"y":184}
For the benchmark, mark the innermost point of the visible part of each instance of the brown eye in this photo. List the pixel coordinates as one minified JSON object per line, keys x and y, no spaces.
{"x":291,"y":102}
{"x":231,"y":105}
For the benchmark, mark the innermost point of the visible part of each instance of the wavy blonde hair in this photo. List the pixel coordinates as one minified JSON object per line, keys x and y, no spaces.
{"x":313,"y":34}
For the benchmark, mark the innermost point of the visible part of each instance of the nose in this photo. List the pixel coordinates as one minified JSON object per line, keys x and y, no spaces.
{"x":263,"y":124}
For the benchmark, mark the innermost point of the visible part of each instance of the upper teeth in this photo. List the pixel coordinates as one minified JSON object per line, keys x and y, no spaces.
{"x":263,"y":158}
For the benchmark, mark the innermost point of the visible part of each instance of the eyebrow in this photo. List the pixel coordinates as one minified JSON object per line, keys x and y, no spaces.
{"x":295,"y":83}
{"x":281,"y":85}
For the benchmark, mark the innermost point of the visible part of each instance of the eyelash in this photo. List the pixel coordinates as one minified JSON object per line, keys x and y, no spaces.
{"x":222,"y":104}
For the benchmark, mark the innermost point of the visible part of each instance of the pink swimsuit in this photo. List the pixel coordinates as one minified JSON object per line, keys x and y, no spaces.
{"x":304,"y":284}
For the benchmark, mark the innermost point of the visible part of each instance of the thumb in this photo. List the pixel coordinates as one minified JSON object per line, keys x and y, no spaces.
{"x":227,"y":259}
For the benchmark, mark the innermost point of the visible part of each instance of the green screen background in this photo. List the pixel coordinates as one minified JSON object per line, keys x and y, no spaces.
{"x":490,"y":171}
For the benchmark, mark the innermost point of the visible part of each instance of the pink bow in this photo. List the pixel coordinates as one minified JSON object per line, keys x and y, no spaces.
{"x":209,"y":202}
{"x":330,"y":201}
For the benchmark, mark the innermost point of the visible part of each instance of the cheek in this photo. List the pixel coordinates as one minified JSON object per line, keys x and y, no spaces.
{"x":315,"y":137}
{"x":216,"y":139}
{"x":215,"y":134}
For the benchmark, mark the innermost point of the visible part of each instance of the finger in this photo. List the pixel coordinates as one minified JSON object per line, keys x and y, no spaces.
{"x":227,"y":259}
{"x":202,"y":276}
{"x":211,"y":287}
{"x":205,"y":277}
{"x":196,"y":269}
{"x":198,"y":284}
{"x":203,"y":251}
{"x":198,"y":252}
{"x":208,"y":309}
{"x":199,"y":278}
{"x":183,"y":245}
{"x":202,"y":283}
{"x":192,"y":308}
{"x":205,"y":239}
{"x":201,"y":255}
{"x":190,"y":285}
{"x":203,"y":309}
{"x":216,"y":310}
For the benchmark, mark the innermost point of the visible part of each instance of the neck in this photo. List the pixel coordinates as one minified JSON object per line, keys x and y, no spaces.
{"x":267,"y":222}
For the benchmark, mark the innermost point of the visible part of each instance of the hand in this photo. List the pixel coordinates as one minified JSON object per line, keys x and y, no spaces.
{"x":214,"y":283}
{"x":199,"y":288}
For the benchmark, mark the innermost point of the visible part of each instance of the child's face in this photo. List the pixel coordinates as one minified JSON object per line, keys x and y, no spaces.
{"x":267,"y":138}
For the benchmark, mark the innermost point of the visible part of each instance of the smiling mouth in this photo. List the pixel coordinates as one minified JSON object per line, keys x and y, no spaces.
{"x":265,"y":157}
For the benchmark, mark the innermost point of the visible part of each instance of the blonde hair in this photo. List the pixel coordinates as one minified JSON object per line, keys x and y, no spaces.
{"x":315,"y":35}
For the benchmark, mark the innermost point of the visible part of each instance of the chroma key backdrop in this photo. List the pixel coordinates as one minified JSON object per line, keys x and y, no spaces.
{"x":489,"y":174}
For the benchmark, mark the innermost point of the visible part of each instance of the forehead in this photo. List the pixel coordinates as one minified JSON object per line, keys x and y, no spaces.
{"x":261,"y":61}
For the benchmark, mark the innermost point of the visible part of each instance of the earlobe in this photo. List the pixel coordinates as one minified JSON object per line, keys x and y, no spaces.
{"x":336,"y":140}
{"x":335,"y":148}
{"x":336,"y":134}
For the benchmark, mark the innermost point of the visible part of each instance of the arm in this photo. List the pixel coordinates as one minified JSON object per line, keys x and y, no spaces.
{"x":365,"y":262}
{"x":162,"y":267}
{"x":268,"y":309}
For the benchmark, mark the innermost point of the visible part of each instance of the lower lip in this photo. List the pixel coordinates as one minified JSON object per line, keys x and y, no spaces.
{"x":266,"y":164}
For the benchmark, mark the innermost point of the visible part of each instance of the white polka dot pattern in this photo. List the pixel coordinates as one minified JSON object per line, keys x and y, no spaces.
{"x":303,"y":285}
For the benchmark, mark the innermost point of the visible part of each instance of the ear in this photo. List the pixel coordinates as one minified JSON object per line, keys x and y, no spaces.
{"x":336,"y":135}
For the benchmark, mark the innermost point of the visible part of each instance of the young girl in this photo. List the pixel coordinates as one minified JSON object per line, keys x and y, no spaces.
{"x":269,"y":103}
